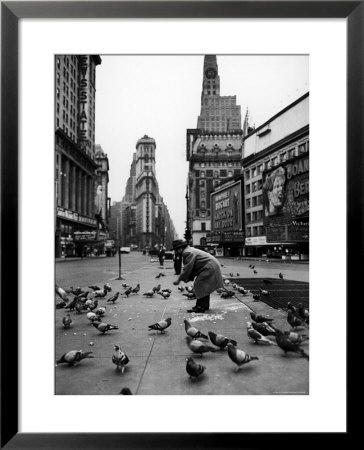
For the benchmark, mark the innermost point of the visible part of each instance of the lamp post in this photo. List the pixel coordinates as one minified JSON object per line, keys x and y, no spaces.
{"x":188,"y":234}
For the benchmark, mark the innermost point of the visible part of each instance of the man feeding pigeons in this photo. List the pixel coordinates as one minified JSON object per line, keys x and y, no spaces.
{"x":201,"y":267}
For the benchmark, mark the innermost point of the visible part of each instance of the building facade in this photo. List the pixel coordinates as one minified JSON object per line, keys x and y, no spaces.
{"x":276,"y":185}
{"x":75,"y":163}
{"x":214,"y":150}
{"x":145,"y":221}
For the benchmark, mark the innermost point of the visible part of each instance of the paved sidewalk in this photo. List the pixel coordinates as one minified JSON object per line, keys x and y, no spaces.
{"x":158,"y":361}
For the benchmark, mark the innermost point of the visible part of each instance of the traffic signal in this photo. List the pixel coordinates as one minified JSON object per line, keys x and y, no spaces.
{"x":188,"y":234}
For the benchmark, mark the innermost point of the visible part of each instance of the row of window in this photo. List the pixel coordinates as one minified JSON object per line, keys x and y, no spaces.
{"x":254,"y":201}
{"x":254,"y":216}
{"x":222,"y":173}
{"x":255,"y":231}
{"x":253,"y":187}
{"x":210,"y":164}
{"x":277,"y":159}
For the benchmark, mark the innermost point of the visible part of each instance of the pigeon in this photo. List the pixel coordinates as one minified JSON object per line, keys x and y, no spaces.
{"x":193,"y":369}
{"x":127,"y":292}
{"x":149,"y":293}
{"x":291,"y":307}
{"x":66,"y":320}
{"x":79,"y":307}
{"x":95,"y":288}
{"x":296,"y":338}
{"x":237,"y":274}
{"x":82,"y":296}
{"x":263,"y":328}
{"x":100,"y":311}
{"x":287,"y":345}
{"x":156,"y":288}
{"x":252,"y":267}
{"x":294,"y":321}
{"x":256,"y":297}
{"x":164,"y":294}
{"x":103,"y":327}
{"x":256,"y":336}
{"x":226,"y":281}
{"x":73,"y":356}
{"x":60,"y":304}
{"x":239,"y":357}
{"x":125,"y":391}
{"x":255,"y":272}
{"x":303,"y":312}
{"x":72,"y":305}
{"x":265,"y":293}
{"x":62,"y":293}
{"x":167,"y":290}
{"x":92,"y":304}
{"x":113,"y":298}
{"x":91,"y":316}
{"x":107,"y":287}
{"x":77,"y":291}
{"x":161,"y":326}
{"x":181,"y":288}
{"x":193,"y":332}
{"x":136,"y":289}
{"x":119,"y":358}
{"x":259,"y":318}
{"x":200,"y":347}
{"x":160,"y":275}
{"x":231,"y":274}
{"x":101,"y":293}
{"x":267,"y":282}
{"x":280,"y":276}
{"x":124,"y":285}
{"x":190,"y":295}
{"x":219,"y":340}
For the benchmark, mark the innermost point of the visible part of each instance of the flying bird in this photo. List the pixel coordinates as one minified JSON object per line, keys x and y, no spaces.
{"x":161,"y":325}
{"x":104,"y":327}
{"x":287,"y":345}
{"x":119,"y":358}
{"x":73,"y":356}
{"x":219,"y":340}
{"x":193,"y":369}
{"x":113,"y":298}
{"x":200,"y":347}
{"x":66,"y":320}
{"x":260,"y":318}
{"x":238,"y":356}
{"x":193,"y":332}
{"x":263,"y":328}
{"x":252,"y":267}
{"x":256,"y":336}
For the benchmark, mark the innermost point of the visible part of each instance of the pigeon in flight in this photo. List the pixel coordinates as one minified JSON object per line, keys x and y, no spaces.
{"x":73,"y":356}
{"x":238,"y":356}
{"x":119,"y":358}
{"x":287,"y":345}
{"x":219,"y":340}
{"x":193,"y":369}
{"x":161,"y":325}
{"x":193,"y":332}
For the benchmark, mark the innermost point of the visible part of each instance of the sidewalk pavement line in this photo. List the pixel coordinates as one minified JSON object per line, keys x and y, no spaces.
{"x":126,"y":273}
{"x":146,"y":363}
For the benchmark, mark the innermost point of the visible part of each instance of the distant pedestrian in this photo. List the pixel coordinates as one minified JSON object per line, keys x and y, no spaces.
{"x":161,"y":255}
{"x":201,"y":267}
{"x":177,"y":259}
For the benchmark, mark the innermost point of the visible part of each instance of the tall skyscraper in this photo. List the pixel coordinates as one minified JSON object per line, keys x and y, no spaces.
{"x":214,"y":150}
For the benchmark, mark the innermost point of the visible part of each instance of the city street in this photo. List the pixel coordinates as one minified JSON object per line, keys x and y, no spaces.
{"x":158,"y":361}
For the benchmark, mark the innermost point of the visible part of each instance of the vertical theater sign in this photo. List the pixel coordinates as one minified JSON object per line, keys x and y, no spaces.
{"x":286,"y":201}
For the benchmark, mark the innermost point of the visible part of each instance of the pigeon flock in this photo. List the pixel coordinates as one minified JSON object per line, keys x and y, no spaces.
{"x":260,"y":330}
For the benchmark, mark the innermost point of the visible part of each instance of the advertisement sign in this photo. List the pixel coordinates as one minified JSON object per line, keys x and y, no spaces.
{"x":286,"y":201}
{"x":259,"y":240}
{"x":226,"y":209}
{"x":75,"y":217}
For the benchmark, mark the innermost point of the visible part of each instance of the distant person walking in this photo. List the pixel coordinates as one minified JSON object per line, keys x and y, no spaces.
{"x":177,"y":259}
{"x":161,"y":255}
{"x":201,"y":267}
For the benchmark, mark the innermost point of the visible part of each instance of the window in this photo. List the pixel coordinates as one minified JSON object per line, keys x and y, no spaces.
{"x":255,"y":231}
{"x":248,"y":217}
{"x":247,"y":189}
{"x":261,"y":230}
{"x":216,"y":174}
{"x":197,"y":172}
{"x":209,"y":173}
{"x":57,"y":107}
{"x":283,"y":157}
{"x":202,"y":174}
{"x":247,"y":203}
{"x":254,"y":172}
{"x":259,"y":199}
{"x":247,"y":174}
{"x":203,"y":226}
{"x":202,"y":183}
{"x":202,"y":165}
{"x":203,"y":214}
{"x":248,"y":231}
{"x":254,"y":201}
{"x":260,"y":168}
{"x":291,"y":153}
{"x":254,"y":215}
{"x":202,"y":194}
{"x":302,"y":148}
{"x":267,"y":165}
{"x":222,"y":173}
{"x":203,"y":204}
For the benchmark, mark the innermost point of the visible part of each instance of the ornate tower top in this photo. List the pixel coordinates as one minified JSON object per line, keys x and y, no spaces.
{"x":211,"y":78}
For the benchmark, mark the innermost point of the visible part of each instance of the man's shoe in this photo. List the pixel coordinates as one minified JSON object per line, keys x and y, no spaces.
{"x":197,"y":309}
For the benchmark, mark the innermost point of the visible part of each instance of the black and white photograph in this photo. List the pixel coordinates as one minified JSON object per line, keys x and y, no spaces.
{"x":181,"y":224}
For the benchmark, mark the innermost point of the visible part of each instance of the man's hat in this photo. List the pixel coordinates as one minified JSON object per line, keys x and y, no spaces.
{"x":179,"y":243}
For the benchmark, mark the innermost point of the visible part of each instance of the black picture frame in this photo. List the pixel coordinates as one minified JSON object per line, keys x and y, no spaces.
{"x":11,"y":12}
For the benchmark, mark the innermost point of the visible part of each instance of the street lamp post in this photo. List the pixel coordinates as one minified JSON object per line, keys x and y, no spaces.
{"x":188,"y":234}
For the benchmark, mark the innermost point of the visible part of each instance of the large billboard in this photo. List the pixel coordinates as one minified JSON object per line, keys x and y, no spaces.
{"x":286,"y":201}
{"x":227,"y":213}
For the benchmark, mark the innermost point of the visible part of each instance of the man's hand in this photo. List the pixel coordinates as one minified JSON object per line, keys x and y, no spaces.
{"x":176,"y":282}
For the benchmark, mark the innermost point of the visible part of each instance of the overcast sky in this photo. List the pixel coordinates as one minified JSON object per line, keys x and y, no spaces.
{"x":160,"y":95}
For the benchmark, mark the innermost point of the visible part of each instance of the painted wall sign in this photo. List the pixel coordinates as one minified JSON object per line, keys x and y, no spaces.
{"x":226,"y":209}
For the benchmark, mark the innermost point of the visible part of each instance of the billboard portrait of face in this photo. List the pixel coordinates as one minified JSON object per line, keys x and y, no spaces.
{"x":274,"y":189}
